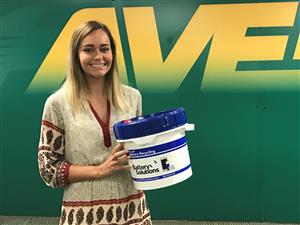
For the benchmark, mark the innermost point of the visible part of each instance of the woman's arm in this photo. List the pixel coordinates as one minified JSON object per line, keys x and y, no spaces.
{"x":113,"y":163}
{"x":51,"y":161}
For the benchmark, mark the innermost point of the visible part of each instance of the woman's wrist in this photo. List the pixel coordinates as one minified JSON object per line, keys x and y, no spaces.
{"x":98,"y":172}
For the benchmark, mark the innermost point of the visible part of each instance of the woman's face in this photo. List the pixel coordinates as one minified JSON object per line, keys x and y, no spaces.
{"x":95,"y":54}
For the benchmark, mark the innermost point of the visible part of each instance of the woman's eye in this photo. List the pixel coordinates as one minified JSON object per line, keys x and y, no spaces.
{"x":88,"y":50}
{"x":104,"y":49}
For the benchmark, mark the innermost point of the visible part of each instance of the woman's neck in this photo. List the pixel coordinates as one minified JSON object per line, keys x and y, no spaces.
{"x":96,"y":89}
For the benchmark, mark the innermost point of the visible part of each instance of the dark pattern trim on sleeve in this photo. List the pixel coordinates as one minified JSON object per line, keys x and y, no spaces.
{"x":43,"y":147}
{"x":65,"y":172}
{"x":52,"y":165}
{"x":51,"y":125}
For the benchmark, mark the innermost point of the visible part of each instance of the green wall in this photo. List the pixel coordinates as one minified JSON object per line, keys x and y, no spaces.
{"x":245,"y":150}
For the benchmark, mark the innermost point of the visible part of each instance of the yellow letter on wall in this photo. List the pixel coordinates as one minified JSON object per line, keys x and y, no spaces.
{"x":227,"y":23}
{"x":230,"y":45}
{"x":151,"y":72}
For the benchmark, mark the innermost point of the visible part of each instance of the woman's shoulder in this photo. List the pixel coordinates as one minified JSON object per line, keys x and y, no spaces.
{"x":130,"y":91}
{"x":56,"y":98}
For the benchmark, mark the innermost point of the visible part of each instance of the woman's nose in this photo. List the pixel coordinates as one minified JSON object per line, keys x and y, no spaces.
{"x":98,"y":54}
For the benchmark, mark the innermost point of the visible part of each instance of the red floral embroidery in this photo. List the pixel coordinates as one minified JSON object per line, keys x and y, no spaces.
{"x":104,"y":202}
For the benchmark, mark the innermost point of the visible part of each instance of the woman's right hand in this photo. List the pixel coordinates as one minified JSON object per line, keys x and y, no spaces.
{"x":118,"y":160}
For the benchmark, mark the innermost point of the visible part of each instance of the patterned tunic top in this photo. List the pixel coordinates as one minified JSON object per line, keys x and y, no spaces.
{"x":79,"y":139}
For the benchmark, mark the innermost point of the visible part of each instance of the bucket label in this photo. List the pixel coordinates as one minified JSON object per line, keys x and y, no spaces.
{"x":158,"y":149}
{"x":160,"y":161}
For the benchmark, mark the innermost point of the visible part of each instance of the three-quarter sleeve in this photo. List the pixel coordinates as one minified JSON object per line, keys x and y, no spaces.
{"x":139,"y":105}
{"x":53,"y":167}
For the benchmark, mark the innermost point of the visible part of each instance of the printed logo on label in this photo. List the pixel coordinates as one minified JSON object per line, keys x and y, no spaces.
{"x":145,"y":169}
{"x":166,"y":165}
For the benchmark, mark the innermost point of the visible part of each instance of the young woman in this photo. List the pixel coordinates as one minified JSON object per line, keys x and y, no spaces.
{"x":77,"y":149}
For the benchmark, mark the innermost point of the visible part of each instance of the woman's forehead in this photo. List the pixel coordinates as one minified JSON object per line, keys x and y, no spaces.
{"x":97,"y":37}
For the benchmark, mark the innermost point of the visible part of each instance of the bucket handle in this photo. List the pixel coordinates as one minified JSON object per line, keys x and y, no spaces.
{"x":189,"y":127}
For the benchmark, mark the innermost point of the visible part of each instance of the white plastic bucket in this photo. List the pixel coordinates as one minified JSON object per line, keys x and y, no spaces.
{"x":161,"y":159}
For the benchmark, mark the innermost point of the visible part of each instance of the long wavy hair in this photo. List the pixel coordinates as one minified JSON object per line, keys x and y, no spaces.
{"x":76,"y":84}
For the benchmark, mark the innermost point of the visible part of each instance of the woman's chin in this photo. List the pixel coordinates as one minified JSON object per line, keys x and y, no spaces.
{"x":97,"y":75}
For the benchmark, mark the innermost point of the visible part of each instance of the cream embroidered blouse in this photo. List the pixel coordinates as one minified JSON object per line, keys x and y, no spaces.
{"x":67,"y":139}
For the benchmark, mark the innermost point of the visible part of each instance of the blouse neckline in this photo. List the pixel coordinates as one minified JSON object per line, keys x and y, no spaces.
{"x":104,"y":124}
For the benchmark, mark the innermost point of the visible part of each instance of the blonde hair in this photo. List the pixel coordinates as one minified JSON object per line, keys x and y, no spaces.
{"x":76,"y":84}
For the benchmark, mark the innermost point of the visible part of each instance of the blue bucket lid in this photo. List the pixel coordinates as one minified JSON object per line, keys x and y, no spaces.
{"x":150,"y":124}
